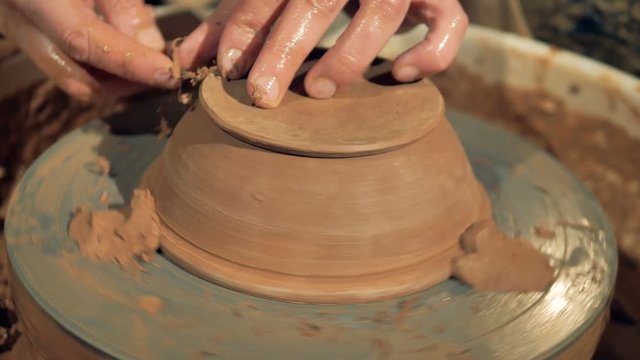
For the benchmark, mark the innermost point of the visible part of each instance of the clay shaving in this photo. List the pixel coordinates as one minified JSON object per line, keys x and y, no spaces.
{"x":121,"y":236}
{"x":495,"y":262}
{"x":193,"y":77}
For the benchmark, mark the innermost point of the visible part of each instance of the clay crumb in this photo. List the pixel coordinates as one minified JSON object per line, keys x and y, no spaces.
{"x":121,"y":236}
{"x":196,"y":77}
{"x":309,"y":330}
{"x":438,"y":328}
{"x":249,"y":305}
{"x":184,"y":98}
{"x":176,"y":68}
{"x":165,"y":129}
{"x":383,"y":348}
{"x":219,"y":338}
{"x":104,"y":165}
{"x":151,"y":304}
{"x":381,"y":317}
{"x":405,"y":307}
{"x":193,"y":77}
{"x":495,"y":262}
{"x":542,"y":231}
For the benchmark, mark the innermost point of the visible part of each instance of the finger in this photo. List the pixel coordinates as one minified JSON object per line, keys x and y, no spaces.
{"x":60,"y":68}
{"x":372,"y":26}
{"x":114,"y":87}
{"x":244,"y":35}
{"x":133,"y":18}
{"x":69,"y":76}
{"x":298,"y":30}
{"x":201,"y":46}
{"x":79,"y":33}
{"x":447,"y":24}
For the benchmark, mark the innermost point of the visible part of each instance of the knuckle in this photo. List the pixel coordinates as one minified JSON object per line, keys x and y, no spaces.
{"x":279,"y":49}
{"x":76,"y":42}
{"x":75,"y":88}
{"x":326,"y":7}
{"x":128,"y":71}
{"x":248,"y":24}
{"x":389,"y":8}
{"x":463,"y":20}
{"x":439,"y":64}
{"x":348,"y":65}
{"x":120,"y":6}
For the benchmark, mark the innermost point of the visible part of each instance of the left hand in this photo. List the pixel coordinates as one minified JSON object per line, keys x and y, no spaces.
{"x":271,"y":38}
{"x":88,"y":57}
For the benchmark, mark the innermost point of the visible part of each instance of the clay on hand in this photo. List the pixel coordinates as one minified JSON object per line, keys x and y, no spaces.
{"x":84,"y":55}
{"x":269,"y":40}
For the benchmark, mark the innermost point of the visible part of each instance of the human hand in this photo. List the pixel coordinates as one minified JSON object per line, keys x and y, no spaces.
{"x":271,"y":38}
{"x":84,"y":55}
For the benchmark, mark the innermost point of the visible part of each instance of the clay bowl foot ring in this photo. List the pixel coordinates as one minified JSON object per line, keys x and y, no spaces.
{"x":358,"y":198}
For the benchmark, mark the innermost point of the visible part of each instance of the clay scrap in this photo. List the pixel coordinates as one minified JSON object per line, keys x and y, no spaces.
{"x":495,"y":262}
{"x":193,"y":77}
{"x":121,"y":236}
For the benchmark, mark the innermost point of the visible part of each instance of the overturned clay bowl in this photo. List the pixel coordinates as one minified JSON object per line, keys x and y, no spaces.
{"x":358,"y":198}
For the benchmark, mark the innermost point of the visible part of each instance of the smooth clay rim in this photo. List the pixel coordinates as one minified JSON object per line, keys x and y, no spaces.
{"x":268,"y":129}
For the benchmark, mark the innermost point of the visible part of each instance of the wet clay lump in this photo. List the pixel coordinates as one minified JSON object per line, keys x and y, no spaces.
{"x":121,"y":236}
{"x":494,"y":262}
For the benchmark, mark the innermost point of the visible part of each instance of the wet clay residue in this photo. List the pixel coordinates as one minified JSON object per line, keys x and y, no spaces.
{"x":151,"y":304}
{"x":495,"y":262}
{"x":185,"y":95}
{"x":116,"y":235}
{"x":104,"y":165}
{"x":601,"y":154}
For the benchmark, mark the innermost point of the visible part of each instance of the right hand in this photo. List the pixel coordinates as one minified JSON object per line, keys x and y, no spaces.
{"x":268,"y":40}
{"x":85,"y":56}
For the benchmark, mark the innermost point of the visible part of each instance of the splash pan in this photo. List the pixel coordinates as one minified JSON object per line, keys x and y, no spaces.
{"x":99,"y":310}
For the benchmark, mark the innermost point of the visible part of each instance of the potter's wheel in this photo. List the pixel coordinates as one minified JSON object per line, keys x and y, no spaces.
{"x":166,"y":312}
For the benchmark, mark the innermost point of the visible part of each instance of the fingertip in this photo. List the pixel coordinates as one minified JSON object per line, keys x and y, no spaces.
{"x":151,"y":37}
{"x":320,"y":87}
{"x":164,"y":78}
{"x":406,"y":73}
{"x":76,"y":89}
{"x":230,"y":63}
{"x":264,"y":91}
{"x":421,"y":61}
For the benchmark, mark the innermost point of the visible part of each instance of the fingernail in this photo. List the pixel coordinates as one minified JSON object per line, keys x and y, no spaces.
{"x":151,"y":37}
{"x":165,"y":78}
{"x":77,"y":89}
{"x":408,"y":73}
{"x":229,"y":63}
{"x":265,"y":91}
{"x":322,"y":88}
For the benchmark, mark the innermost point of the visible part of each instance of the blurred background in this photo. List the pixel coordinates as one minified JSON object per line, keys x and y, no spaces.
{"x":606,"y":30}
